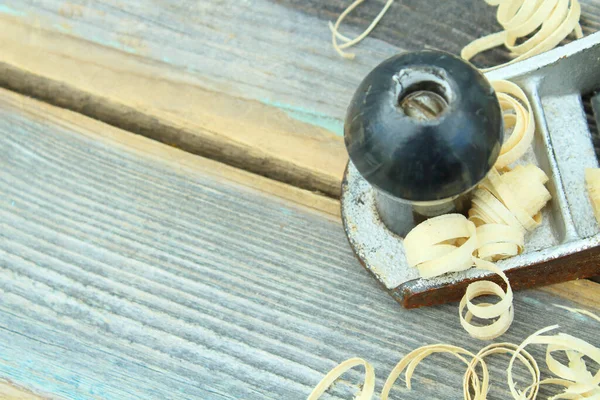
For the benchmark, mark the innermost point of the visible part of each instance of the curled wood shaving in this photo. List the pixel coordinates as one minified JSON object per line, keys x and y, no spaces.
{"x":579,"y":311}
{"x":487,"y":209}
{"x":368,"y":387}
{"x":528,"y":183}
{"x":474,"y":386}
{"x":554,"y":20}
{"x":514,"y":198}
{"x":498,"y":241}
{"x":592,"y":180}
{"x":507,"y":348}
{"x":502,"y":311}
{"x":412,"y":360}
{"x":517,"y":115}
{"x":520,"y":349}
{"x":446,"y":244}
{"x":511,"y":200}
{"x":503,"y":207}
{"x":440,"y":245}
{"x":336,"y":35}
{"x":575,"y":377}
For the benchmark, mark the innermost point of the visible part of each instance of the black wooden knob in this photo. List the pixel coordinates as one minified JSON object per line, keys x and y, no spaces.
{"x":424,"y":126}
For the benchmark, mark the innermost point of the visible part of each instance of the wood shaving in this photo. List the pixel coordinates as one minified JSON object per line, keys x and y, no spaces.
{"x":592,"y":180}
{"x":501,"y":313}
{"x":487,"y":209}
{"x":368,"y":387}
{"x":514,"y":198}
{"x":579,"y":311}
{"x":510,"y":199}
{"x":517,"y":114}
{"x":506,"y":348}
{"x":503,"y":207}
{"x":499,"y":241}
{"x":348,"y":42}
{"x":553,"y":20}
{"x":412,"y":360}
{"x":433,"y":246}
{"x":576,"y":379}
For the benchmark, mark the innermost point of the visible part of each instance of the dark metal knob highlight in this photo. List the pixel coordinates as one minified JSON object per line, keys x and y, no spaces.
{"x":424,"y":126}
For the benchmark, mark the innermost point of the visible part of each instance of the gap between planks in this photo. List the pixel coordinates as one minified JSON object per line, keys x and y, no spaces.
{"x":168,"y":105}
{"x":183,"y":160}
{"x":260,"y":89}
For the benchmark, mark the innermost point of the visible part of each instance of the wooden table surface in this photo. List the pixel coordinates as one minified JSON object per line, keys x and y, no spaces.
{"x":131,"y":269}
{"x":252,"y":83}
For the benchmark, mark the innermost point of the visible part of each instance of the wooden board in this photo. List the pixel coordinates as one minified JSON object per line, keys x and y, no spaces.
{"x":128,"y":271}
{"x":10,"y":392}
{"x":255,"y":84}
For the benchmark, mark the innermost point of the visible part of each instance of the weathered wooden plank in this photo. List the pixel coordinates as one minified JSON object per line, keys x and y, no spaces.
{"x":127,"y":271}
{"x":221,"y":171}
{"x":11,"y":392}
{"x":583,"y":291}
{"x":253,"y":84}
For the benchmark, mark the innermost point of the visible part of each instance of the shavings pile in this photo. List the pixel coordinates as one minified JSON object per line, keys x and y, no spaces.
{"x":506,"y":204}
{"x":576,"y":378}
{"x":504,"y":207}
{"x":531,"y":27}
{"x":514,"y":198}
{"x":543,"y":24}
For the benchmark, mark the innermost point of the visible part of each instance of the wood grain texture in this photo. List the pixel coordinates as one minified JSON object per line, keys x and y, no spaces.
{"x":126,"y":277}
{"x":10,"y":392}
{"x":583,"y":292}
{"x":218,"y":170}
{"x":255,"y":84}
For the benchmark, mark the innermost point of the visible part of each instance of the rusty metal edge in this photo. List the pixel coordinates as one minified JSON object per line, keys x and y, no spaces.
{"x":579,"y":265}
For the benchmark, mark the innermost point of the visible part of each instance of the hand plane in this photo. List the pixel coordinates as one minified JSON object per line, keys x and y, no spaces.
{"x":392,"y":182}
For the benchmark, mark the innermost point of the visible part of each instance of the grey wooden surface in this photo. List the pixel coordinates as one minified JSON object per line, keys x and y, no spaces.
{"x":255,"y":84}
{"x":289,"y":62}
{"x":126,"y":277}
